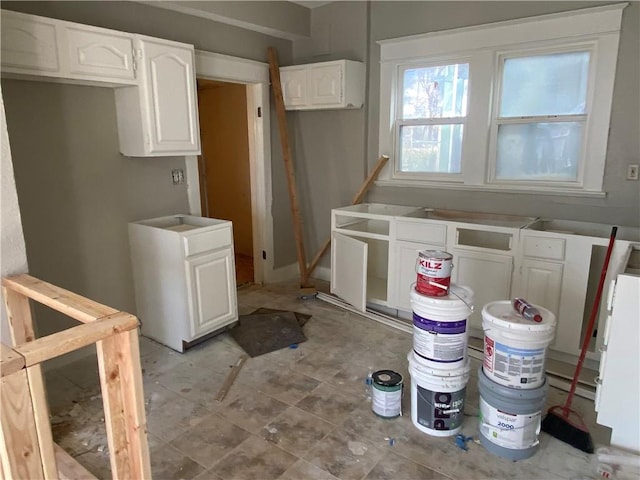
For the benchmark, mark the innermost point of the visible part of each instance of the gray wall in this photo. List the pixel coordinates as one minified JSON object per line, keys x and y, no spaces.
{"x":77,"y":193}
{"x":622,"y":204}
{"x":205,"y":35}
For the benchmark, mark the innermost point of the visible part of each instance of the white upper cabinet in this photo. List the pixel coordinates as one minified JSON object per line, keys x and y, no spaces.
{"x":103,"y":54}
{"x":29,"y":44}
{"x":160,"y":116}
{"x":323,"y":86}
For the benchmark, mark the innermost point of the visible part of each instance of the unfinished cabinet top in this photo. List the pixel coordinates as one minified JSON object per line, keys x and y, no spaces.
{"x":182,"y":223}
{"x":374,"y":209}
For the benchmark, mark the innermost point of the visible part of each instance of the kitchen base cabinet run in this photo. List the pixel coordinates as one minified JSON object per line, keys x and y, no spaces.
{"x":184,"y":278}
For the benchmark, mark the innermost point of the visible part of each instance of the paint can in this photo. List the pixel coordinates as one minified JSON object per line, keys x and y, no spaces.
{"x":437,"y":397}
{"x":433,"y":268}
{"x":386,"y":398}
{"x":509,"y":418}
{"x":440,"y":327}
{"x":515,"y":348}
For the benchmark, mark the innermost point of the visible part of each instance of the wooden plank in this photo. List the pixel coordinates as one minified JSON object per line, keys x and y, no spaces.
{"x":121,"y":380}
{"x":20,"y":319}
{"x":19,"y":449}
{"x":71,"y":304}
{"x":231,"y":378}
{"x":74,"y":338}
{"x":276,"y":87}
{"x":69,"y":468}
{"x":23,"y":333}
{"x":356,"y":200}
{"x":10,"y":361}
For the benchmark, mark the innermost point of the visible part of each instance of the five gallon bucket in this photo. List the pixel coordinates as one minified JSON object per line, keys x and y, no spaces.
{"x":437,"y":397}
{"x":433,"y":269}
{"x":515,"y":348}
{"x":510,"y":418}
{"x":386,"y":393}
{"x":440,"y":327}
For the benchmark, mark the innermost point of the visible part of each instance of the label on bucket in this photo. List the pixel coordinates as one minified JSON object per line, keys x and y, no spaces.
{"x":439,"y":341}
{"x":509,"y":430}
{"x":513,"y":367}
{"x":387,"y":403}
{"x":440,"y":410}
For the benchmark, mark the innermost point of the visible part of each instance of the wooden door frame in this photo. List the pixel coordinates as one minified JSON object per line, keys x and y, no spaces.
{"x":255,"y":75}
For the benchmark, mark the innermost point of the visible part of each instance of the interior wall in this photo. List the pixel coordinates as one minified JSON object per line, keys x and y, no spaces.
{"x":77,"y":193}
{"x":225,"y":148}
{"x":329,"y":145}
{"x":13,"y":255}
{"x":205,"y":35}
{"x":622,"y":203}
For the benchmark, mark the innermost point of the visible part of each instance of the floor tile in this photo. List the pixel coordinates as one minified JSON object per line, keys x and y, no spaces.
{"x":210,"y":440}
{"x":328,"y":403}
{"x":169,"y":463}
{"x":303,"y":470}
{"x":250,"y":409}
{"x":344,"y":455}
{"x":254,"y":459}
{"x":296,"y":431}
{"x":395,"y":467}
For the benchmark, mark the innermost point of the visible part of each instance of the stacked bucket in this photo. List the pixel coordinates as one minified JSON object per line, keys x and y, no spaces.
{"x":512,"y":381}
{"x":438,"y":362}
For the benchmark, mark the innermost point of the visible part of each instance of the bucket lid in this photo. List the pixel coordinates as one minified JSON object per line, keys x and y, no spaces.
{"x":458,"y":296}
{"x":421,"y":368}
{"x":501,"y":314}
{"x":386,"y":378}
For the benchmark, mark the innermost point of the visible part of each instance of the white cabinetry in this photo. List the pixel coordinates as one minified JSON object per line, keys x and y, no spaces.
{"x":159,"y":117}
{"x":184,"y":277}
{"x":55,"y":49}
{"x":156,"y":101}
{"x":326,"y":85}
{"x":360,"y":262}
{"x":29,"y":44}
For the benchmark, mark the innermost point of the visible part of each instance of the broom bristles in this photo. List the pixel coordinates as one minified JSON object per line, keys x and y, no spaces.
{"x":558,"y":425}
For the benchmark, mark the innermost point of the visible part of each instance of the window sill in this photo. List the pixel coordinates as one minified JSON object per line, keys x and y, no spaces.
{"x":525,"y":189}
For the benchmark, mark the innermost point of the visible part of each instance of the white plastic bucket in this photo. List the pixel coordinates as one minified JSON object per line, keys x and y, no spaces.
{"x":440,"y":327}
{"x":437,"y":397}
{"x":515,"y":349}
{"x":509,"y":418}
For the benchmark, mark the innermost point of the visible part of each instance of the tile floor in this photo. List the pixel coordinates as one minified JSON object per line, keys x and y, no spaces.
{"x":293,"y":414}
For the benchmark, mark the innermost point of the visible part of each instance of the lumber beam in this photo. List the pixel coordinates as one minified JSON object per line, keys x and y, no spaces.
{"x":10,"y":361}
{"x":69,"y":468}
{"x":71,"y":304}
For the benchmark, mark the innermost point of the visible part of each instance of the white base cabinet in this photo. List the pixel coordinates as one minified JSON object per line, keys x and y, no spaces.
{"x":184,"y":277}
{"x":552,"y":263}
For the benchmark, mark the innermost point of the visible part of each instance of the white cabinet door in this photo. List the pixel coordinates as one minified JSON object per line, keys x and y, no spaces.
{"x":487,"y":274}
{"x":29,"y":44}
{"x":102,"y":54}
{"x":406,"y":255}
{"x":325,"y":84}
{"x":211,"y":287}
{"x":169,"y":97}
{"x":349,"y":270}
{"x":294,"y":86}
{"x":540,"y":283}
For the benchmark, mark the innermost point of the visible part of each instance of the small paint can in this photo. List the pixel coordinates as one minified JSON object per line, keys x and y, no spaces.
{"x":386,"y":398}
{"x":433,"y":268}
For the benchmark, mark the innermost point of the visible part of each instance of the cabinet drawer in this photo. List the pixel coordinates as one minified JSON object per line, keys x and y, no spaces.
{"x":206,"y":241}
{"x":543,"y":247}
{"x":421,"y":232}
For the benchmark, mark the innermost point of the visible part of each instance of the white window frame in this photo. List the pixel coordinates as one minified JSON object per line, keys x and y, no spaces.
{"x":455,"y":177}
{"x":596,"y":29}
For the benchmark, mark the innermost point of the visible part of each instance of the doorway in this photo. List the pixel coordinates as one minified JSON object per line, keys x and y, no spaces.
{"x":224,"y":166}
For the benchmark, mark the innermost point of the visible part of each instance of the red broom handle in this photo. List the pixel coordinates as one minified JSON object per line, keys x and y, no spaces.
{"x":592,"y":321}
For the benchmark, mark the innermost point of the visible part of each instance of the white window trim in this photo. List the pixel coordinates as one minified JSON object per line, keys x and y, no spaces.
{"x":597,"y":27}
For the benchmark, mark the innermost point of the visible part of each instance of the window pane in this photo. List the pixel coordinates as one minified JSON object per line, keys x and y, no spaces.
{"x":435,"y":92}
{"x":539,"y":151}
{"x":545,"y":85}
{"x":431,"y":148}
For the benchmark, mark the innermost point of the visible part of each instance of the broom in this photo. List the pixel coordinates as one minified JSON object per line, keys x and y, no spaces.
{"x":557,"y":422}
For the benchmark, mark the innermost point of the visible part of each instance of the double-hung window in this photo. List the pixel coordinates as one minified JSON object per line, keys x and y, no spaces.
{"x":520,"y":105}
